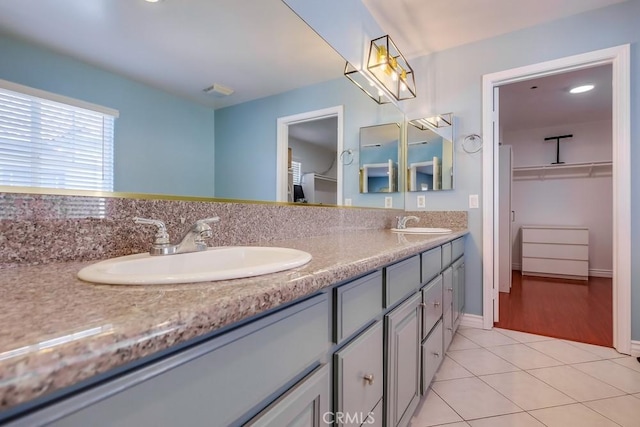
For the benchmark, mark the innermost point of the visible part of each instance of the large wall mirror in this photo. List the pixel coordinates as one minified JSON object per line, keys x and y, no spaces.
{"x":379,"y":156}
{"x":430,"y":153}
{"x":169,"y":144}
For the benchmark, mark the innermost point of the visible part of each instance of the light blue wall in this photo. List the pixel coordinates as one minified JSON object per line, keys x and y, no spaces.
{"x":458,"y":76}
{"x":163,"y":144}
{"x":246,"y":144}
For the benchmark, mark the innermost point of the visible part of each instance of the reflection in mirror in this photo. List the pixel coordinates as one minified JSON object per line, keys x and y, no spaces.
{"x":430,"y":153}
{"x":379,"y":147}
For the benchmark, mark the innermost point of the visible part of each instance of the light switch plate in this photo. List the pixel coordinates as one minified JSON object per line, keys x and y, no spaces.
{"x":473,"y":201}
{"x":347,"y":202}
{"x":388,"y":202}
{"x":420,"y":200}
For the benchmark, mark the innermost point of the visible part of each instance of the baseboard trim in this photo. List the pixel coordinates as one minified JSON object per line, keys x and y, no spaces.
{"x":635,"y":347}
{"x":471,"y":321}
{"x":599,"y":272}
{"x":517,"y":267}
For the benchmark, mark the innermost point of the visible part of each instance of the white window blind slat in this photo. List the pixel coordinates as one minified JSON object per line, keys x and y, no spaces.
{"x":49,"y":144}
{"x":297,"y":172}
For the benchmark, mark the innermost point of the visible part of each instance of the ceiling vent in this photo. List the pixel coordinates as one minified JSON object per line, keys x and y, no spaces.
{"x":218,"y":90}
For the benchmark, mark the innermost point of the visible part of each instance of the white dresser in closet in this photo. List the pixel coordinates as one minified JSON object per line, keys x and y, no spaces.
{"x":555,"y":251}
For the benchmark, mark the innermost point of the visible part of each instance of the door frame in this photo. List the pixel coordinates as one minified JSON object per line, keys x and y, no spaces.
{"x":282,"y":138}
{"x":619,"y":58}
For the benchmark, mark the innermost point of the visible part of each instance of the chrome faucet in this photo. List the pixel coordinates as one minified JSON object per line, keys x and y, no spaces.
{"x":402,"y":221}
{"x":192,"y":241}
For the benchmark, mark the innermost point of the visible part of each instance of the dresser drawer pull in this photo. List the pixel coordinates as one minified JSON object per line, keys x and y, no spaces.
{"x":369,"y":379}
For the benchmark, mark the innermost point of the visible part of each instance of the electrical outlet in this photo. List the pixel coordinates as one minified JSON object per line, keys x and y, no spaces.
{"x":388,"y":202}
{"x":347,"y":202}
{"x":420,"y":200}
{"x":473,"y":201}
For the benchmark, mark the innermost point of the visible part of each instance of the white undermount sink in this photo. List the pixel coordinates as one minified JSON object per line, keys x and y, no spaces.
{"x":421,"y":230}
{"x":217,"y":263}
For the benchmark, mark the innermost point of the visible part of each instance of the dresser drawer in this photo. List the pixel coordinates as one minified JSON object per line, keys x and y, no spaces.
{"x":431,"y":264}
{"x":359,"y":373}
{"x":357,"y":303}
{"x":432,"y":309}
{"x":402,"y":279}
{"x":432,"y":355}
{"x":555,"y":251}
{"x":457,"y":248}
{"x":446,"y":255}
{"x":559,"y":267}
{"x":573,"y":236}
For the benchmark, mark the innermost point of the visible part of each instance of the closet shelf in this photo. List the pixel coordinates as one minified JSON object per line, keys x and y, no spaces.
{"x":566,"y":170}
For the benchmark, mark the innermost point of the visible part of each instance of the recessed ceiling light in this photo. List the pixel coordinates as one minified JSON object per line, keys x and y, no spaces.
{"x":153,"y":1}
{"x":581,"y":89}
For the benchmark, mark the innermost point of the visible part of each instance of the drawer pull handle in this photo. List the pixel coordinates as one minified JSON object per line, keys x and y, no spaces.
{"x":436,"y":304}
{"x":450,"y":289}
{"x":449,"y":329}
{"x":436,"y":354}
{"x":369,"y":379}
{"x":422,"y":304}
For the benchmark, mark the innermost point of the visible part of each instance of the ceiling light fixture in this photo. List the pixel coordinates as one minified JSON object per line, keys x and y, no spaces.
{"x":582,"y":89}
{"x":389,"y":67}
{"x":365,"y":84}
{"x":153,"y":1}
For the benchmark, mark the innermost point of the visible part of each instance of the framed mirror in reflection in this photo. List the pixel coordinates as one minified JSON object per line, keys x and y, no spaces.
{"x":430,"y":153}
{"x":172,"y":137}
{"x":379,"y":154}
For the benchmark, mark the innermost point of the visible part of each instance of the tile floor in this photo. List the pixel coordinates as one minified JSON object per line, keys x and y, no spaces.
{"x":503,"y":378}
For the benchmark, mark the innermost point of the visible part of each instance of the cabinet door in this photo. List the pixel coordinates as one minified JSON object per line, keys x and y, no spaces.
{"x":359,"y":374}
{"x":458,"y":291}
{"x":305,"y":405}
{"x":403,"y":361}
{"x":455,"y":286}
{"x":432,"y":355}
{"x":447,"y":289}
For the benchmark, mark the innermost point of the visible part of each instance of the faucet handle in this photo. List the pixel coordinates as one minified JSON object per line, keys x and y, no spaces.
{"x":162,"y":237}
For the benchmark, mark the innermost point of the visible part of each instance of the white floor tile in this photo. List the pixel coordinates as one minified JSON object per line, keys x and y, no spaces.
{"x":459,"y":342}
{"x":460,"y":424}
{"x":524,"y":357}
{"x":471,"y":398}
{"x":604,"y":352}
{"x":480,"y":361}
{"x":521,"y":419}
{"x":522,"y":336}
{"x":526,"y":391}
{"x":563,"y":352}
{"x":450,"y":370}
{"x":576,"y":415}
{"x":624,"y":410}
{"x":575,"y":384}
{"x":486,"y":338}
{"x":629,"y":362}
{"x":433,"y":411}
{"x":613,"y":374}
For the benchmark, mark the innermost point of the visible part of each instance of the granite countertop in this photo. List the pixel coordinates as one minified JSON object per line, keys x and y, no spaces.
{"x":57,"y":330}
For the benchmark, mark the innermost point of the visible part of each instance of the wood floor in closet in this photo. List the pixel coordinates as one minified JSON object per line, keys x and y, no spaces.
{"x":572,"y":310}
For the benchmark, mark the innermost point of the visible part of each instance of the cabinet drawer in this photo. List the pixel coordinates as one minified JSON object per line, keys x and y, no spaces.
{"x":215,"y":383}
{"x":447,"y":288}
{"x":560,"y":267}
{"x":447,"y":324}
{"x":357,"y":302}
{"x":555,"y":251}
{"x":359,"y":373}
{"x":402,"y":279}
{"x":432,"y":309}
{"x":574,"y":236}
{"x":303,"y":405}
{"x":446,"y":255}
{"x":432,"y":356}
{"x":431,"y":264}
{"x":457,"y":248}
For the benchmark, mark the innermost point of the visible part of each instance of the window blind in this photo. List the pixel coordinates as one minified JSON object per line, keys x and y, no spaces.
{"x":297,"y":172}
{"x":48,"y":143}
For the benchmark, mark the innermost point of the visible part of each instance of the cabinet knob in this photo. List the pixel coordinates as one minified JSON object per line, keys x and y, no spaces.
{"x":368,"y":379}
{"x":436,"y":304}
{"x":436,"y":354}
{"x":450,"y":329}
{"x":422,"y":304}
{"x":450,"y":289}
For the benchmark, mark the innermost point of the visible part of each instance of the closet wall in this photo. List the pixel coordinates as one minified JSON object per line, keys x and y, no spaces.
{"x":314,"y":158}
{"x":579,"y":200}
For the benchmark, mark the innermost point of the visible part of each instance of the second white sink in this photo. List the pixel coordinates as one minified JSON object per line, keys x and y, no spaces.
{"x":421,"y":230}
{"x":218,"y":263}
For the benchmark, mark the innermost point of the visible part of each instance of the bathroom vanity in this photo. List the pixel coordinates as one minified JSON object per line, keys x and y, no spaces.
{"x":354,"y":337}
